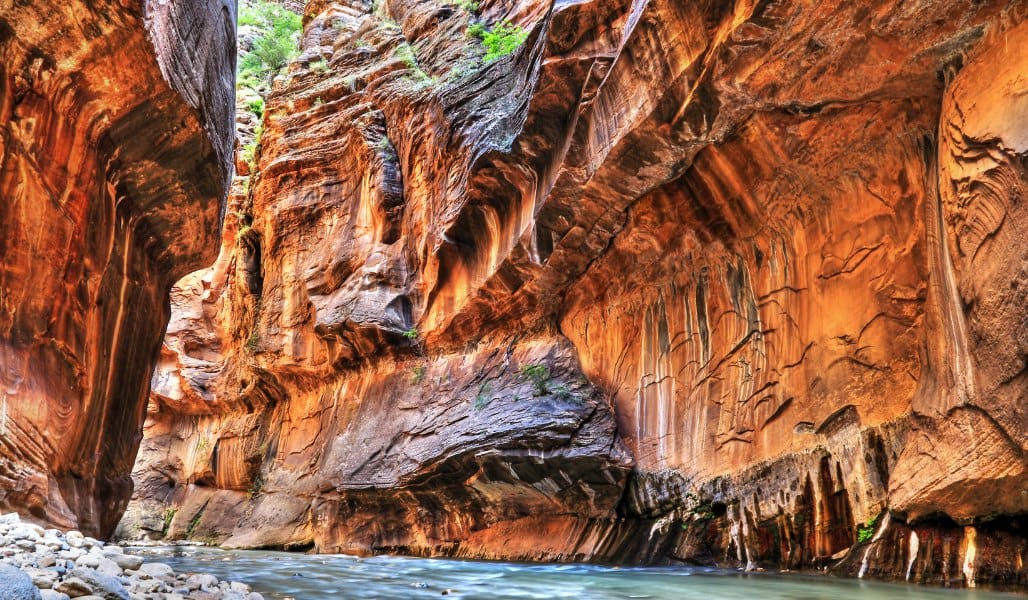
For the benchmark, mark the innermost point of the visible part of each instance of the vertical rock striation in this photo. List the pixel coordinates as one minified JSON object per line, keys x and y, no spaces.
{"x":115,"y":153}
{"x":733,"y":283}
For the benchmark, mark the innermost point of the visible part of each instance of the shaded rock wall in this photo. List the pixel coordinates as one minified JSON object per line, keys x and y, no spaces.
{"x":765,"y":255}
{"x":115,"y":153}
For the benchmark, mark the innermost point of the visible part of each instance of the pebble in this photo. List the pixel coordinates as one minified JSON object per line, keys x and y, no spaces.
{"x":46,"y":564}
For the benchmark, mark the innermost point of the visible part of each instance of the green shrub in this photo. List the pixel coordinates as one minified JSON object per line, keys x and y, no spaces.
{"x":250,"y":149}
{"x":539,"y":375}
{"x":320,"y":65}
{"x":193,"y":523}
{"x":564,"y":394}
{"x":468,"y":5}
{"x":502,"y":40}
{"x":256,"y":106}
{"x":168,"y":516}
{"x":866,"y":531}
{"x":273,"y":48}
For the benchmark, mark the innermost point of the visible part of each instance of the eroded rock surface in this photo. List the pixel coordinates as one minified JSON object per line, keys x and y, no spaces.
{"x":115,"y":153}
{"x":735,"y":283}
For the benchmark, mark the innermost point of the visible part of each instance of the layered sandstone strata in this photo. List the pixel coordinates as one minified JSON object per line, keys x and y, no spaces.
{"x":768,"y":256}
{"x":115,"y":153}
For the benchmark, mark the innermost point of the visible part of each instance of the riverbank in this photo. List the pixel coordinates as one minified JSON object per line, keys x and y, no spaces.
{"x":48,"y":564}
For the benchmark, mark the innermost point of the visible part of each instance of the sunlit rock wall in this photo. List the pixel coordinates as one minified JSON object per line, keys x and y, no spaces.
{"x":710,"y":269}
{"x":115,"y":151}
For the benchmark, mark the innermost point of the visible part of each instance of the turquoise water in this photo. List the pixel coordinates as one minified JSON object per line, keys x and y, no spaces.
{"x":300,"y":577}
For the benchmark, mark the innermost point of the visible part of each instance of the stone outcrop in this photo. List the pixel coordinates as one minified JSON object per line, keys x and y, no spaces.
{"x":731,"y":283}
{"x":115,"y":154}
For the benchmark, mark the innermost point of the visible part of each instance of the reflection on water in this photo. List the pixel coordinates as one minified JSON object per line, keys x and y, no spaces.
{"x":299,"y":576}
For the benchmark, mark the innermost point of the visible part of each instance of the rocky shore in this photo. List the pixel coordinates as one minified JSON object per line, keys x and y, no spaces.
{"x":48,"y":564}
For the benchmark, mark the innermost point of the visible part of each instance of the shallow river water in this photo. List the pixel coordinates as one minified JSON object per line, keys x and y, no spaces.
{"x":301,"y":577}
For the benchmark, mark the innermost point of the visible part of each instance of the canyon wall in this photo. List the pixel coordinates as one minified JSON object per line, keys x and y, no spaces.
{"x":115,"y":157}
{"x":732,"y":283}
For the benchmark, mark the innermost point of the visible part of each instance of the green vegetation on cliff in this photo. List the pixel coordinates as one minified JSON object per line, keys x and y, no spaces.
{"x":500,"y":40}
{"x":268,"y":35}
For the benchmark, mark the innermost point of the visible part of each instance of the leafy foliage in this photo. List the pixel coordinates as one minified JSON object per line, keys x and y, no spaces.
{"x":193,"y":523}
{"x":256,"y":106}
{"x":417,"y":76}
{"x":499,"y":41}
{"x":273,"y":48}
{"x":168,"y":516}
{"x":866,"y":531}
{"x":250,"y":149}
{"x":539,"y":375}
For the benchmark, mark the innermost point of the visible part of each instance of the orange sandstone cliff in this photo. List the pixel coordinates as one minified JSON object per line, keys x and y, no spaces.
{"x":741,"y":283}
{"x":115,"y":157}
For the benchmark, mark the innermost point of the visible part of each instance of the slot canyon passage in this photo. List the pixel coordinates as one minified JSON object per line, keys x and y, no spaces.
{"x":735,"y":283}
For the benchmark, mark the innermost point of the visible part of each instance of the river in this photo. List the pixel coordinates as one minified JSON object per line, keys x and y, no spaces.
{"x":294,"y":576}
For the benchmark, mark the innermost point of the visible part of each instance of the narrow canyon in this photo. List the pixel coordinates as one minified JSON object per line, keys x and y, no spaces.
{"x":741,"y":284}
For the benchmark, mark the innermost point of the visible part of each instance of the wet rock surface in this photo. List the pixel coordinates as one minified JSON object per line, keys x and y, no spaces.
{"x":740,"y":284}
{"x":49,"y":564}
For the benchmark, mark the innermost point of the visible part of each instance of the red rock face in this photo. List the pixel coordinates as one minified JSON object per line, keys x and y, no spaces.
{"x":114,"y":158}
{"x":672,"y":281}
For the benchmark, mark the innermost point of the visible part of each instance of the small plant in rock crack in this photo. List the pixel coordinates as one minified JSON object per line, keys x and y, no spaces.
{"x":250,"y":150}
{"x":500,"y":40}
{"x":255,"y":487}
{"x":387,"y":149}
{"x":319,"y":65}
{"x":417,"y":374}
{"x":483,"y":398}
{"x":564,"y":394}
{"x":866,"y":532}
{"x":405,"y":52}
{"x":539,"y":375}
{"x":241,"y":233}
{"x":194,"y":523}
{"x":253,"y":343}
{"x":168,"y":516}
{"x":256,"y":106}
